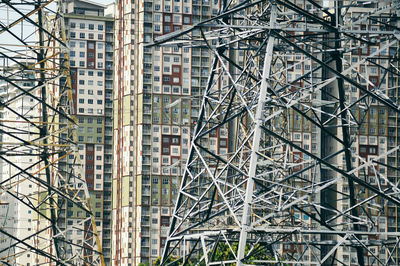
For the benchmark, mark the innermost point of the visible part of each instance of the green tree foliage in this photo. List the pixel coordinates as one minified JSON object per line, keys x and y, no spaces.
{"x":224,"y":253}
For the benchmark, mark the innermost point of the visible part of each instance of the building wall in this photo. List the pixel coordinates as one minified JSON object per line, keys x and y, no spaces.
{"x":91,"y":60}
{"x":155,"y":107}
{"x":16,"y":218}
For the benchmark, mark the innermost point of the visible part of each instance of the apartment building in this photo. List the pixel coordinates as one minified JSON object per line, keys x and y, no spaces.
{"x":374,"y":136}
{"x":16,"y":218}
{"x":156,"y":103}
{"x":90,"y":29}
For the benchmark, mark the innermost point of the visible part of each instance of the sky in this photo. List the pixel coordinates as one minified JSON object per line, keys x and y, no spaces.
{"x":104,"y":2}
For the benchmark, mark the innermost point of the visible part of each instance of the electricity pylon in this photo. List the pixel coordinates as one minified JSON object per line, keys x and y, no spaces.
{"x":308,"y":92}
{"x":40,"y":172}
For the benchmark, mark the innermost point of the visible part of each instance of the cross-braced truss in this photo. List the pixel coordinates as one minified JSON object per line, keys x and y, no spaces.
{"x":307,"y":92}
{"x":40,"y":173}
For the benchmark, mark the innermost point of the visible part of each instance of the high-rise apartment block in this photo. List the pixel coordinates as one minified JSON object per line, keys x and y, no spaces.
{"x":90,"y":29}
{"x":16,"y":218}
{"x":156,"y":102}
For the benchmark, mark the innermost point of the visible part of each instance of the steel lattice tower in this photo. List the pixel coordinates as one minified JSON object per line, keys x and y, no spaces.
{"x":40,"y":172}
{"x":308,"y":91}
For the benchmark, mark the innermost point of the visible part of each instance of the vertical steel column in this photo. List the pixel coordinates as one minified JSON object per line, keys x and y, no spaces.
{"x":43,"y":130}
{"x":246,"y":216}
{"x":337,"y":56}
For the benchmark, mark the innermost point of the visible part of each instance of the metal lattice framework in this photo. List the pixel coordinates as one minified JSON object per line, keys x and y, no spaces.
{"x":307,"y":92}
{"x":40,"y":173}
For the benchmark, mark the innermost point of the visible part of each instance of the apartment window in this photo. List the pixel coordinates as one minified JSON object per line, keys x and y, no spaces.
{"x":81,"y":54}
{"x":72,"y":25}
{"x":91,"y":55}
{"x":100,"y":55}
{"x":81,"y":44}
{"x":91,"y":26}
{"x":72,"y":53}
{"x":82,"y":35}
{"x":99,"y":121}
{"x":81,"y":100}
{"x":166,"y":89}
{"x":81,"y":82}
{"x":82,"y":25}
{"x":81,"y":63}
{"x":165,"y":181}
{"x":164,"y":220}
{"x":100,"y":27}
{"x":90,"y":101}
{"x":72,"y":34}
{"x":91,"y":36}
{"x":100,"y":36}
